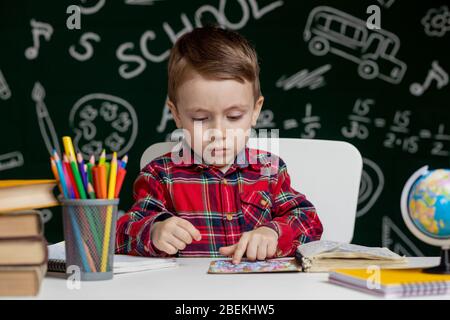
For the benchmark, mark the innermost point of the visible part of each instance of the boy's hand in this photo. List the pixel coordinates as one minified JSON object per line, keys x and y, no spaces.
{"x":173,"y":234}
{"x":260,"y":244}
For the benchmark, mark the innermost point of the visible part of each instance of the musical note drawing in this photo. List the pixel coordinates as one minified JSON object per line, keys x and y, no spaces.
{"x":304,"y":78}
{"x":437,"y":22}
{"x":5,"y":92}
{"x":114,"y":115}
{"x":46,"y":126}
{"x":435,"y":73}
{"x":372,"y":183}
{"x":38,"y":29}
{"x":11,"y":160}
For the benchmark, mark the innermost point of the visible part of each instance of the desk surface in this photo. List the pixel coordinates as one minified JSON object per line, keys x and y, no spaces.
{"x":191,"y":281}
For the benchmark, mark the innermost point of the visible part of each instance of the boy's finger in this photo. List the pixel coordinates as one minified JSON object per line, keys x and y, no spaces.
{"x":168,"y":248}
{"x":261,"y":254}
{"x":189,"y":228}
{"x":175,"y":242}
{"x":252,"y":249}
{"x":271,"y":249}
{"x":183,"y":235}
{"x":240,"y":250}
{"x":227,"y":251}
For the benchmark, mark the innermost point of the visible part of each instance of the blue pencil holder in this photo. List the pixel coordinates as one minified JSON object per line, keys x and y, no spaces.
{"x":89,"y":234}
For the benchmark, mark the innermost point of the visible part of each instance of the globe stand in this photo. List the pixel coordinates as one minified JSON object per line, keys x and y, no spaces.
{"x":444,"y":266}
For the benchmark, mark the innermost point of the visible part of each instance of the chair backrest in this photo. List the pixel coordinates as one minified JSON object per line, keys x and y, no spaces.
{"x":327,"y":172}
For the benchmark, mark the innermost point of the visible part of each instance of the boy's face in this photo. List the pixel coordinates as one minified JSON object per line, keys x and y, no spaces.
{"x":218,"y":115}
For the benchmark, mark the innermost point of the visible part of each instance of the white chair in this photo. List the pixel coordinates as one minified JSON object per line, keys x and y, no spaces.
{"x":327,"y":172}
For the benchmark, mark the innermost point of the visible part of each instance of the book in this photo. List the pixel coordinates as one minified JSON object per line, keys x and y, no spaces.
{"x":393,"y":282}
{"x":317,"y":256}
{"x":19,"y":224}
{"x":324,"y":256}
{"x":23,"y":251}
{"x":122,"y":263}
{"x":26,"y":194}
{"x":21,"y":280}
{"x":270,"y":265}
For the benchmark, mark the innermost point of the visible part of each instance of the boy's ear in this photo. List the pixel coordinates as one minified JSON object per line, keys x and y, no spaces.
{"x":174,"y":111}
{"x":257,"y":109}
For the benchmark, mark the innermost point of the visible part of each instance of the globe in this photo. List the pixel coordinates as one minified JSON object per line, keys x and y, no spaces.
{"x":425,"y":205}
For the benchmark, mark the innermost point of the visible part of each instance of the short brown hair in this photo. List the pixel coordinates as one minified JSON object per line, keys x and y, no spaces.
{"x":213,"y":52}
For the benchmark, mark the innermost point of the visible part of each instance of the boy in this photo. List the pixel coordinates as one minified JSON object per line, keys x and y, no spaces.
{"x":216,"y":201}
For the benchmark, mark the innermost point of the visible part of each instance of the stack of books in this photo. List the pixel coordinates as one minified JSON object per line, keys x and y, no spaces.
{"x":23,"y":248}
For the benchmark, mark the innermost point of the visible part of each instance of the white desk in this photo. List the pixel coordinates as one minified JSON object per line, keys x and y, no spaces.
{"x":190,"y":281}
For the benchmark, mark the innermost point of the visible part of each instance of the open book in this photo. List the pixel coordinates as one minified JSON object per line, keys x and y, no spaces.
{"x":323,"y":256}
{"x":317,"y":256}
{"x":122,"y":263}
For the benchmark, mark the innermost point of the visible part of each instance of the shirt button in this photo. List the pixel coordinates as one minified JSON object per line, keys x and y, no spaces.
{"x":225,"y":181}
{"x":229,"y":216}
{"x":263,"y":202}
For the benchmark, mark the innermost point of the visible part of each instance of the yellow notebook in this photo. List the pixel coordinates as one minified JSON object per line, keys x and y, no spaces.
{"x":393,"y":282}
{"x":26,"y":194}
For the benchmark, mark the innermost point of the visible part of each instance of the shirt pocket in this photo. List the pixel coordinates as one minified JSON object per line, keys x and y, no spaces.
{"x":256,"y":207}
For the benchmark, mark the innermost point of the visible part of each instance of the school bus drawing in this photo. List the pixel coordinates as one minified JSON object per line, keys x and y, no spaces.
{"x":329,"y":30}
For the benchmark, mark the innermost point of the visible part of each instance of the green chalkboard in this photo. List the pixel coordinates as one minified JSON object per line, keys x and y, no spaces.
{"x":324,"y":75}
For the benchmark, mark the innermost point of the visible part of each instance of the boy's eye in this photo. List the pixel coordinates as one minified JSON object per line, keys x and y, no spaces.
{"x":200,"y":119}
{"x":235,"y":117}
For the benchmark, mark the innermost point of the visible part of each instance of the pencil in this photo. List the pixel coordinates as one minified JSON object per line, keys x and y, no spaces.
{"x":77,"y":177}
{"x":71,"y":177}
{"x":121,"y":172}
{"x":90,"y":164}
{"x":101,"y":174}
{"x":108,"y":222}
{"x":68,"y":146}
{"x":91,"y":191}
{"x":124,"y":161}
{"x":61,"y":175}
{"x":55,"y":173}
{"x":108,"y":169}
{"x":82,"y":169}
{"x":102,"y":157}
{"x":96,"y":182}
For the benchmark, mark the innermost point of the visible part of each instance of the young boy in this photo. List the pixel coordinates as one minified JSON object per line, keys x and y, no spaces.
{"x":216,"y":201}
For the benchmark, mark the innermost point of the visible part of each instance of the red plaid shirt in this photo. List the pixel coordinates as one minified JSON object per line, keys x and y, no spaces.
{"x":220,"y":205}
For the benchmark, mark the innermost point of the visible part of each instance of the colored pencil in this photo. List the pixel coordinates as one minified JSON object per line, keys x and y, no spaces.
{"x":77,"y":177}
{"x":124,"y":161}
{"x":55,"y":173}
{"x":101,"y":173}
{"x":82,"y":169}
{"x":121,"y":172}
{"x":71,"y":177}
{"x":61,"y":175}
{"x":108,"y":168}
{"x":91,"y":191}
{"x":68,"y":146}
{"x":95,"y":177}
{"x":90,"y":164}
{"x":108,"y":222}
{"x":102,"y":157}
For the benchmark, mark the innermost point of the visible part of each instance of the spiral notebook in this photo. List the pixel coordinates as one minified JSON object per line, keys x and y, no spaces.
{"x":122,"y":263}
{"x":393,"y":282}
